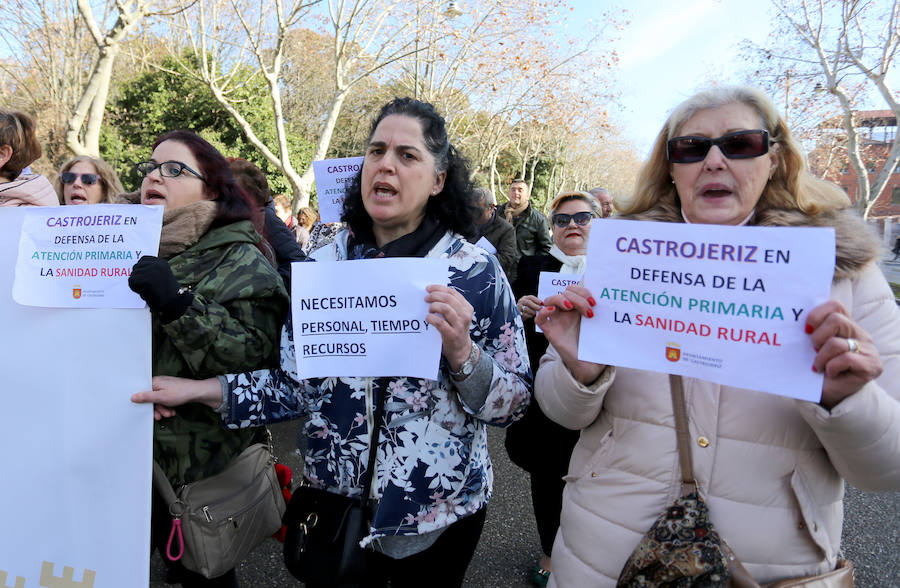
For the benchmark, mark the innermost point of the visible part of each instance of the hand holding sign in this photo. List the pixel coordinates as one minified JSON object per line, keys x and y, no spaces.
{"x":451,"y":315}
{"x":846,"y":353}
{"x":560,"y":320}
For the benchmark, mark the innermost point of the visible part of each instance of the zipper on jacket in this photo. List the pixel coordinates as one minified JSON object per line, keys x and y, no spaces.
{"x":370,"y":419}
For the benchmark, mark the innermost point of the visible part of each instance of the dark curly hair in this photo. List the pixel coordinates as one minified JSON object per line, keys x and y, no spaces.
{"x":234,"y":204}
{"x":455,"y":205}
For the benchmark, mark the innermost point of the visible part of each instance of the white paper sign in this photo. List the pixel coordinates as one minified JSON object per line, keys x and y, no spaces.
{"x":486,"y":245}
{"x":550,"y":283}
{"x":75,"y":498}
{"x":81,"y":256}
{"x":332,"y":178}
{"x":725,"y":304}
{"x":365,"y":317}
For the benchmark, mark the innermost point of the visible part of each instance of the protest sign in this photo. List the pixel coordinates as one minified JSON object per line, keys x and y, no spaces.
{"x":332,"y":178}
{"x":366,"y":317}
{"x":75,"y":498}
{"x":486,"y":245}
{"x":550,"y":283}
{"x":725,"y":304}
{"x":81,"y":256}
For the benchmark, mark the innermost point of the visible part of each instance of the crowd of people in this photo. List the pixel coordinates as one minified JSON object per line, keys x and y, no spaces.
{"x":597,"y":441}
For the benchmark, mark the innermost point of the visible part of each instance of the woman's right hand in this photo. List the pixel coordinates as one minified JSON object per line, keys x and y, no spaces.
{"x":169,"y":391}
{"x":560,"y":320}
{"x":529,"y":306}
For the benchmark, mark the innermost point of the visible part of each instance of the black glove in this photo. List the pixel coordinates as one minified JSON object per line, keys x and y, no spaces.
{"x":152,"y":279}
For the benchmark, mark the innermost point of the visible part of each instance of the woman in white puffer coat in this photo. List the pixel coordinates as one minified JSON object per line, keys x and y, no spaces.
{"x":771,"y":468}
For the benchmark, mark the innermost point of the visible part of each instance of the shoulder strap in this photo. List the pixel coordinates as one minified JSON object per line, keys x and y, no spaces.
{"x":688,"y":484}
{"x":162,"y":485}
{"x":373,"y":446}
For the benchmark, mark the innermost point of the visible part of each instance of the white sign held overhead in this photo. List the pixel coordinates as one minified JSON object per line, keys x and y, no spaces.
{"x":366,"y":317}
{"x":81,"y":256}
{"x":721,"y":303}
{"x":332,"y":178}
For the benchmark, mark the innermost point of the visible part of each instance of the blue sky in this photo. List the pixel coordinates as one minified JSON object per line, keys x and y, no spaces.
{"x":670,"y":50}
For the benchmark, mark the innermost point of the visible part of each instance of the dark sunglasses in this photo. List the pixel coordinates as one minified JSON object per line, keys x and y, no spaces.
{"x":167,"y":169}
{"x":86,"y":179}
{"x":737,"y":145}
{"x":562,"y":220}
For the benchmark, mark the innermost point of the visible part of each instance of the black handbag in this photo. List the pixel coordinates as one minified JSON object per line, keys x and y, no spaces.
{"x":324,"y":529}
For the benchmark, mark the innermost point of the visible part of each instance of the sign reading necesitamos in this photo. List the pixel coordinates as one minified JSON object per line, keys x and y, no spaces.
{"x":332,"y":178}
{"x":81,"y":256}
{"x":365,"y":317}
{"x":725,"y":304}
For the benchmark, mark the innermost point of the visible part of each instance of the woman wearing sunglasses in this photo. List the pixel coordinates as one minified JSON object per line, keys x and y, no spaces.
{"x":87,"y":180}
{"x":535,"y":443}
{"x":19,"y":147}
{"x":217,"y":306}
{"x":771,"y":468}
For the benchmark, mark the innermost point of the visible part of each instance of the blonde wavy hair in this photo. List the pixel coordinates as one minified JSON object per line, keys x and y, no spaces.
{"x":109,"y":179}
{"x":792,"y":187}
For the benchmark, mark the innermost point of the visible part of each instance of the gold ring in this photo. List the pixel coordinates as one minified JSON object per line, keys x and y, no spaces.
{"x":853,"y":345}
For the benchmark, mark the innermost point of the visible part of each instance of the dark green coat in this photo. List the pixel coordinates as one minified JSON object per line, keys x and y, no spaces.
{"x":232,"y":325}
{"x":532,"y":231}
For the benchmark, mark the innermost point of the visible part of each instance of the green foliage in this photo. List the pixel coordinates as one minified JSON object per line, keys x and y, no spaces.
{"x":154,"y":102}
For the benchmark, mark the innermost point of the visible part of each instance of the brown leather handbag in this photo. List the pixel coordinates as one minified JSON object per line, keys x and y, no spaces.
{"x":683,"y":549}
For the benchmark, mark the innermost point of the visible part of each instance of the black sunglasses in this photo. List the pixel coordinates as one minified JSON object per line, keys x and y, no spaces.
{"x":86,"y":179}
{"x":737,"y":145}
{"x":167,"y":169}
{"x":562,"y":220}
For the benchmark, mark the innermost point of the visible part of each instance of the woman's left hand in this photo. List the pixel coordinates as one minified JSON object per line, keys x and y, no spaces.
{"x":845,"y":352}
{"x":451,"y":314}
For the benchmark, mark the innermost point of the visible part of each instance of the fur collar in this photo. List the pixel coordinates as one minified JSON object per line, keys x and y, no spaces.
{"x":182,"y":227}
{"x":856,"y":245}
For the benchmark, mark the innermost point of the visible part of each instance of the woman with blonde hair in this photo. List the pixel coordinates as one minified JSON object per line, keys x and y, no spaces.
{"x":770,"y":468}
{"x":87,"y":180}
{"x":19,"y":147}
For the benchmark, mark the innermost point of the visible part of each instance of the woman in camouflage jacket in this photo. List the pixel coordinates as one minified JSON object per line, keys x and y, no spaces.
{"x":216,"y":302}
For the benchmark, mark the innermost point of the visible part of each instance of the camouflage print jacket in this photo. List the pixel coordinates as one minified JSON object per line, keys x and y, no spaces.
{"x":432,"y":464}
{"x":232,"y":325}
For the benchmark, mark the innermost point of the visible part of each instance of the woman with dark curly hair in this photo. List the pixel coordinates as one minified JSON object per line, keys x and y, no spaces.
{"x":432,"y":476}
{"x":217,"y":305}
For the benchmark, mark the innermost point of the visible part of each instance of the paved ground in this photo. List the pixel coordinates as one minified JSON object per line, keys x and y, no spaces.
{"x":509,"y":545}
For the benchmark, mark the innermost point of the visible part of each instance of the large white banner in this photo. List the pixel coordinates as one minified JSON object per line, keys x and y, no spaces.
{"x":76,"y":457}
{"x":726,"y":304}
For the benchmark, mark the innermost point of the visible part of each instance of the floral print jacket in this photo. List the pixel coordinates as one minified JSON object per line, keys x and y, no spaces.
{"x":432,"y":463}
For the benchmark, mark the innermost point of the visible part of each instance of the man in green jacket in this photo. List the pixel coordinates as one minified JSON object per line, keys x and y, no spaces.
{"x":532,"y":229}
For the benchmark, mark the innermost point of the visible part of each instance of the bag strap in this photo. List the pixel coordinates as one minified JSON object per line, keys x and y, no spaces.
{"x":688,"y":484}
{"x":162,"y":485}
{"x":373,"y":449}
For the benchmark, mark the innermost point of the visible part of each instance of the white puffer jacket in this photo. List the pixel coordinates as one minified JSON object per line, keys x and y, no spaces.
{"x":771,"y":468}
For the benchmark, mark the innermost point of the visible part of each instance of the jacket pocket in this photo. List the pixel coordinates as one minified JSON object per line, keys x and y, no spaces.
{"x":813,"y":518}
{"x":593,"y":462}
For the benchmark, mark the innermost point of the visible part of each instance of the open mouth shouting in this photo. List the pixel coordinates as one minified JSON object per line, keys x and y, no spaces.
{"x":716,"y":191}
{"x":382,"y":191}
{"x":153,"y":196}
